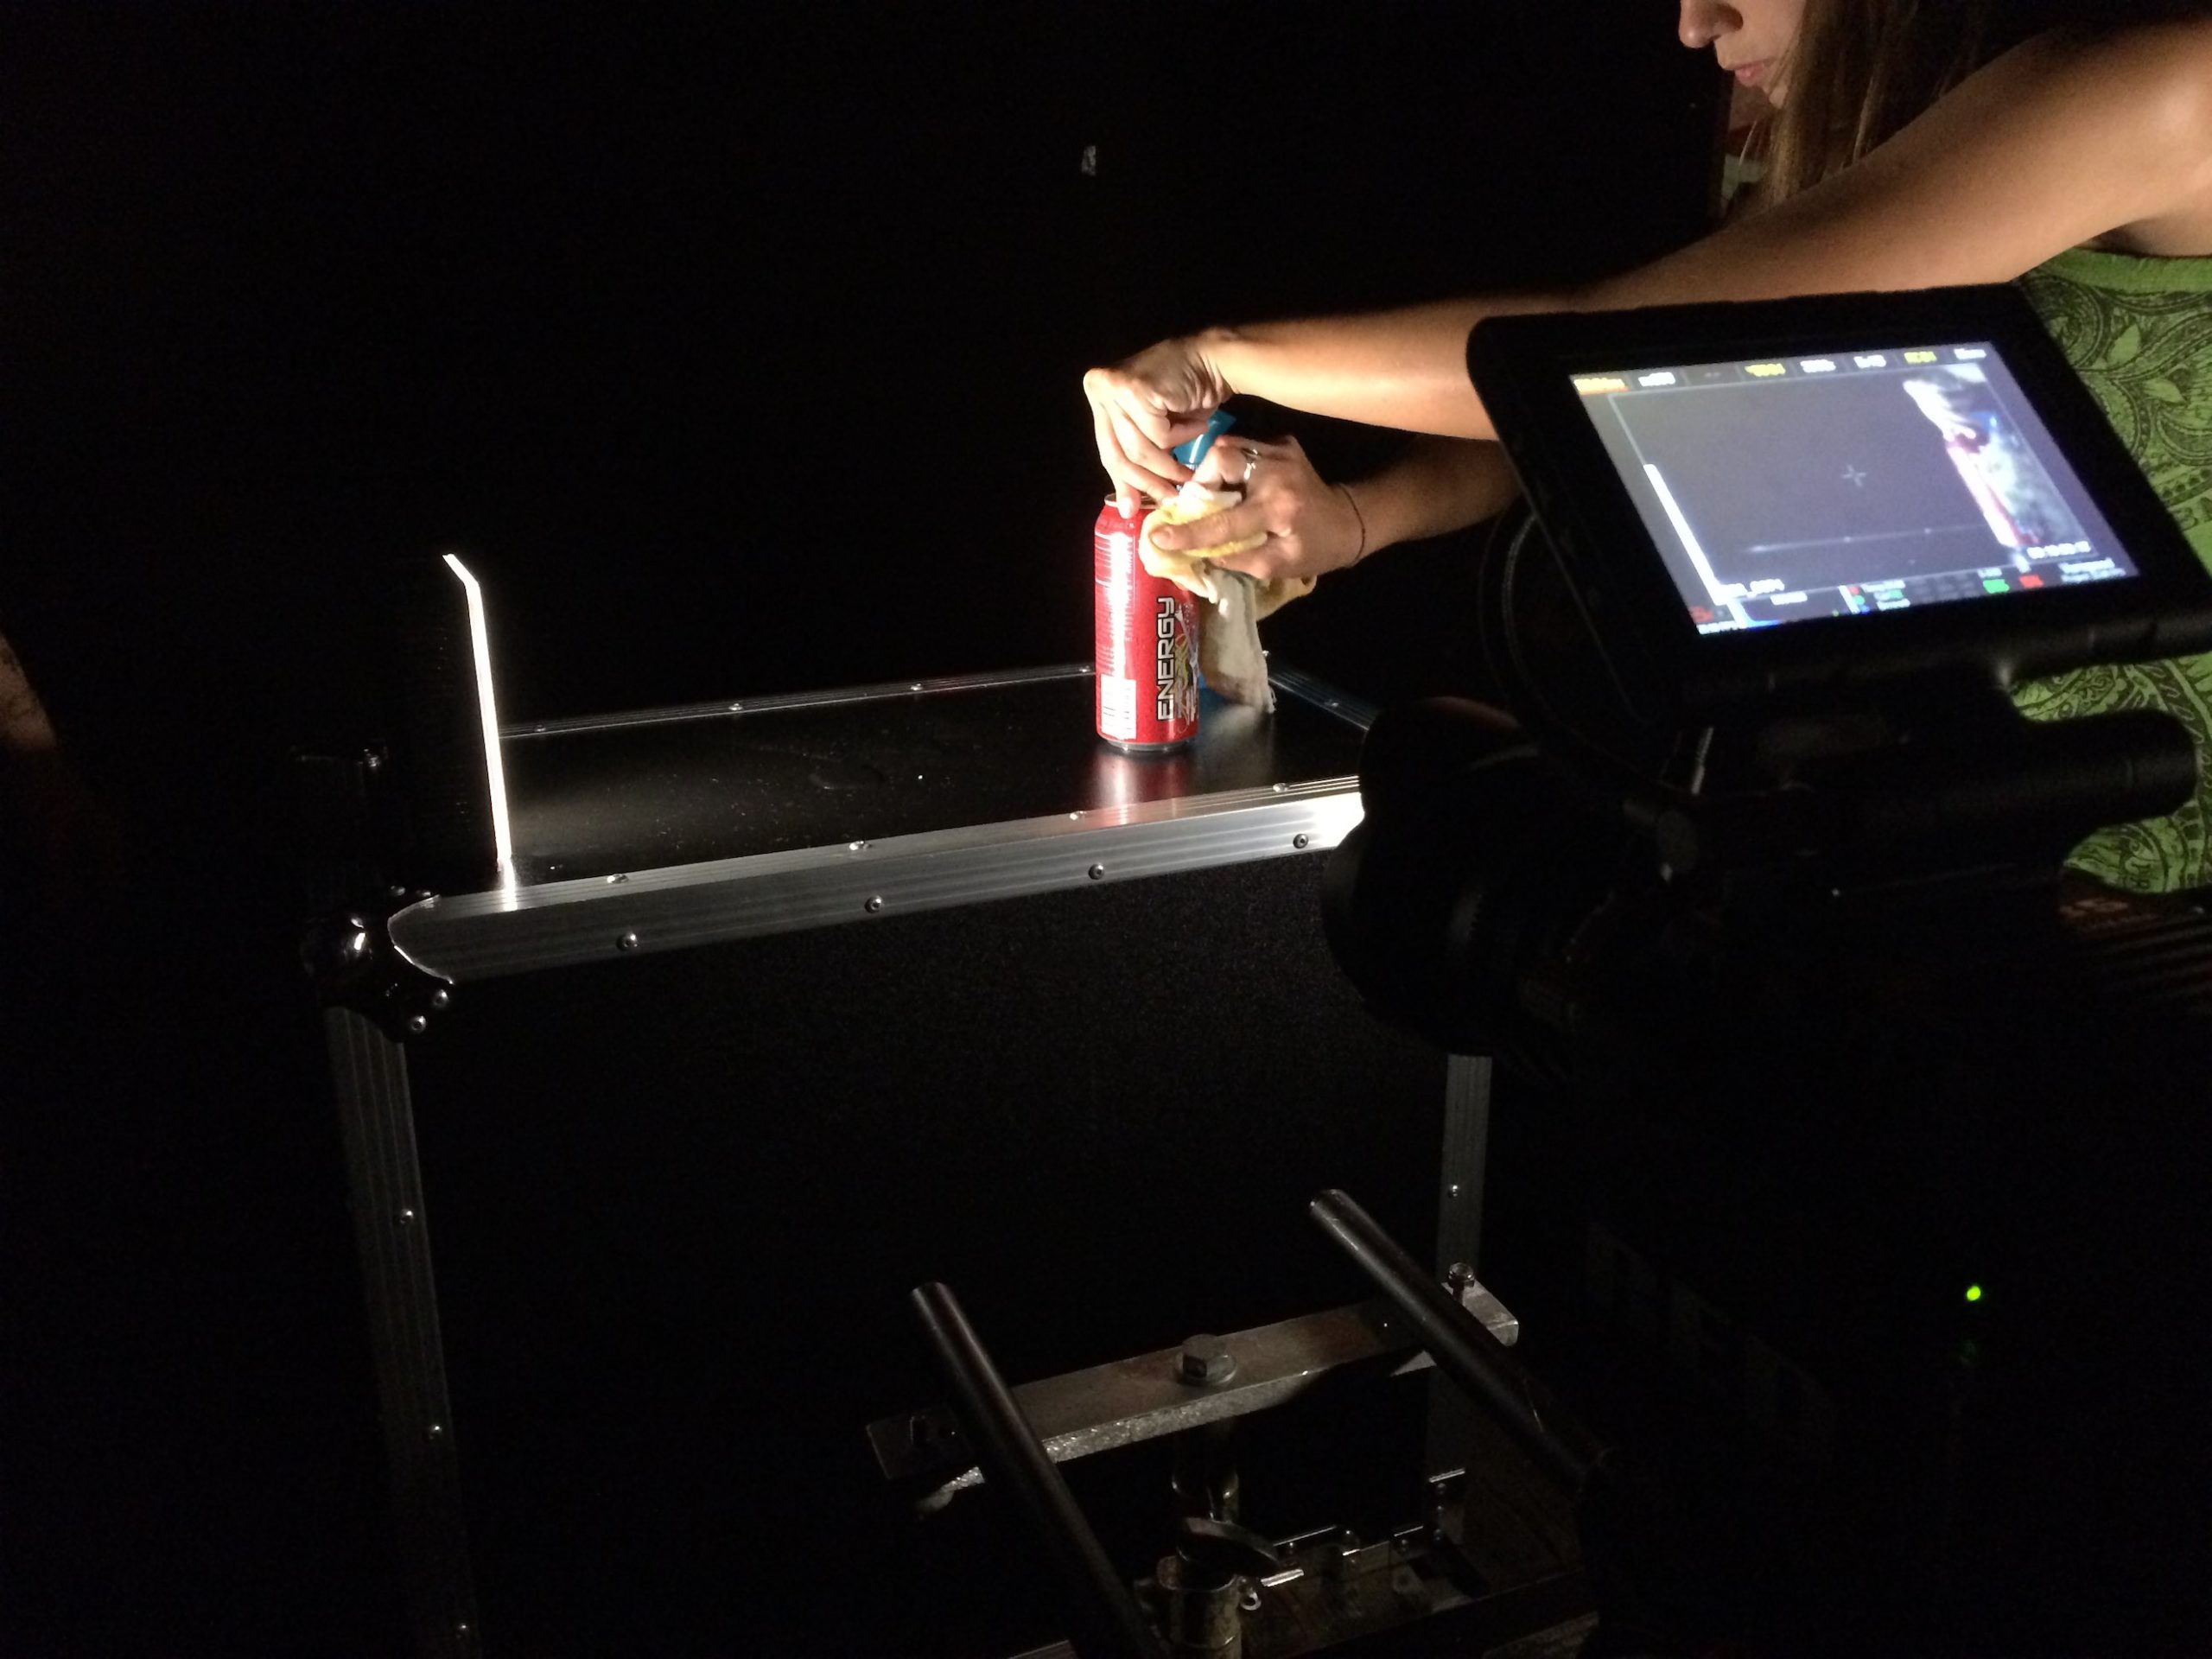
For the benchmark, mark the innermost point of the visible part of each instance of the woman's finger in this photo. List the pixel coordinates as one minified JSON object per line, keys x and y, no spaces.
{"x":1147,"y":441}
{"x":1148,"y":413}
{"x":1222,"y":529}
{"x":1145,"y":465}
{"x":1270,"y":462}
{"x":1128,"y":479}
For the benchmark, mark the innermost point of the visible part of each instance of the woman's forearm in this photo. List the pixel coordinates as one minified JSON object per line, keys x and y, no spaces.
{"x":1406,"y":368}
{"x":1438,"y":485}
{"x":2060,"y":140}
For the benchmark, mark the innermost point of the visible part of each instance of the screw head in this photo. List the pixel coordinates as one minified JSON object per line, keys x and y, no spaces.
{"x":1098,"y":871}
{"x":442,"y":1001}
{"x":1205,"y":1360}
{"x":874,"y":904}
{"x":627,"y":941}
{"x":418,"y":1023}
{"x":1301,"y":842}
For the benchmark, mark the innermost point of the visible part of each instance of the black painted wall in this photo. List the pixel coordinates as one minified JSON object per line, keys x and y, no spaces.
{"x":740,"y":347}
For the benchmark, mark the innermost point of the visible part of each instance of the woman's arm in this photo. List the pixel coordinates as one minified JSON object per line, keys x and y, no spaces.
{"x":2060,"y":140}
{"x":1314,"y":527}
{"x":1438,"y":485}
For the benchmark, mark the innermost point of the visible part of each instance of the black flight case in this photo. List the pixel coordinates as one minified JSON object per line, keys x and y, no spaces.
{"x":783,"y":1008}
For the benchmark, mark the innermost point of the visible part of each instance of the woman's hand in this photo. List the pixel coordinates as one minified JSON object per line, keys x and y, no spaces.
{"x":1141,"y":408}
{"x":1312,"y":527}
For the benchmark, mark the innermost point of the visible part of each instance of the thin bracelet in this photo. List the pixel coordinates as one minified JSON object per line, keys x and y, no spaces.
{"x":1360,"y":517}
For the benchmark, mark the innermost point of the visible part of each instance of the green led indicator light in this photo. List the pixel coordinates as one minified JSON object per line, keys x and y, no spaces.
{"x":1973,"y":1292}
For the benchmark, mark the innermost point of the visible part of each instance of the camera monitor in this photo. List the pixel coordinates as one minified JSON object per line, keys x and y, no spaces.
{"x":1766,"y":500}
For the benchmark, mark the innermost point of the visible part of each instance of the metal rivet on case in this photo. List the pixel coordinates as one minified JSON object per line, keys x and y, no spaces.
{"x":874,"y":904}
{"x":1098,"y":871}
{"x":627,"y":941}
{"x":1301,"y":842}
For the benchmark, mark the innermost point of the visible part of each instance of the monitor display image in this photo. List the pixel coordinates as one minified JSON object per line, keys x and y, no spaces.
{"x":1783,"y":489}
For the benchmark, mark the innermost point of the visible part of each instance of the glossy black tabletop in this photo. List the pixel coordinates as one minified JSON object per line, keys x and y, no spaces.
{"x":646,"y":792}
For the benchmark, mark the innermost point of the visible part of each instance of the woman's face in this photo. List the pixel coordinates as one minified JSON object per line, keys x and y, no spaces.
{"x":1750,"y":38}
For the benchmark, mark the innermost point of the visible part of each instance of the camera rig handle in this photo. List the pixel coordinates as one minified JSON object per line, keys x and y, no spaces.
{"x":1653,"y":1587}
{"x":1105,"y":1620}
{"x":1465,"y":1351}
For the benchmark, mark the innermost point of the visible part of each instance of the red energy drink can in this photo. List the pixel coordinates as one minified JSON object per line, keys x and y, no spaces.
{"x":1145,"y":633}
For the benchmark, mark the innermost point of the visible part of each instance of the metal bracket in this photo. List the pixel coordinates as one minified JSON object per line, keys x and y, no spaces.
{"x":346,"y":947}
{"x":1153,"y":1395}
{"x":355,"y":965}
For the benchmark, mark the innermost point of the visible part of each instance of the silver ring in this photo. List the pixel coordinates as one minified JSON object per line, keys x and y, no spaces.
{"x":1251,"y":462}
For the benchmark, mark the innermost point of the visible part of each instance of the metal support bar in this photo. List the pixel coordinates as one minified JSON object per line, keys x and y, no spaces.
{"x":1151,"y":1395}
{"x":1465,"y":1351}
{"x":1465,"y":1160}
{"x":1105,"y":1621}
{"x":392,"y":1232}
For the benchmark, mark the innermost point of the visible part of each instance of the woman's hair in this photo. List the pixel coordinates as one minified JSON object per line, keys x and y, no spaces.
{"x":1861,"y":69}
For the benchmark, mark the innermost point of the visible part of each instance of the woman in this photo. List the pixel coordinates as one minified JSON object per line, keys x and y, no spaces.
{"x":2063,"y":143}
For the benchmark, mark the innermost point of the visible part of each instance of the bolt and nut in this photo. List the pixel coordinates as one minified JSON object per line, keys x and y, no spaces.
{"x":1205,"y":1360}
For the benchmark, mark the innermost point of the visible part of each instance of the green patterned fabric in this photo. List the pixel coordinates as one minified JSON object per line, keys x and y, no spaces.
{"x":2139,"y":333}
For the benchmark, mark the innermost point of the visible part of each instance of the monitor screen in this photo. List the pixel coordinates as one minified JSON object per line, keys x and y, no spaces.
{"x":1781,"y":488}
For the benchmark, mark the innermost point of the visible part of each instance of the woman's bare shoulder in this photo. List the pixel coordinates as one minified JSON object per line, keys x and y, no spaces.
{"x":2070,"y":138}
{"x":2154,"y":82}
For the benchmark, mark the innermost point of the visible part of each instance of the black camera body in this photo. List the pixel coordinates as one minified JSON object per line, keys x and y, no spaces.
{"x":1756,"y":885}
{"x":1756,"y":638}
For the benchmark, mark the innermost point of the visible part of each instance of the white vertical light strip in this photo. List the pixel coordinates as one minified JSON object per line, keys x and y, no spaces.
{"x":1712,"y":584}
{"x":480,"y":640}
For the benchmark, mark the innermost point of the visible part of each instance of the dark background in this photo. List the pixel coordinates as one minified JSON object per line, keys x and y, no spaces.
{"x":741,"y":352}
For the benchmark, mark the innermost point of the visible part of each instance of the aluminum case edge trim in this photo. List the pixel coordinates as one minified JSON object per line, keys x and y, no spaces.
{"x":558,"y":924}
